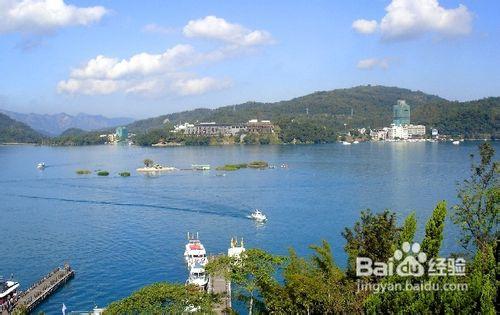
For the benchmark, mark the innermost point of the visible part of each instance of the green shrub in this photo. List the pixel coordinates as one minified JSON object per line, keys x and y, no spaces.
{"x":83,"y":172}
{"x":124,"y":174}
{"x":229,"y":167}
{"x":102,"y":173}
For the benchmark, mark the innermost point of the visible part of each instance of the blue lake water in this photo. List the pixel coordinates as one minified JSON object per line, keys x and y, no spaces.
{"x":120,"y":234}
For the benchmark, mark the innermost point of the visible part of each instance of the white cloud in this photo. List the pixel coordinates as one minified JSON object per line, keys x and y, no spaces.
{"x":365,"y":26}
{"x":372,"y":63}
{"x":212,"y":27}
{"x":41,"y":16}
{"x":199,"y":85}
{"x":407,"y":19}
{"x":142,"y":73}
{"x":155,"y":28}
{"x":167,"y":72}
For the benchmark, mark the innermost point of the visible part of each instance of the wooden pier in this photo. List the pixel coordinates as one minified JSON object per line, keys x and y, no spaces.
{"x":42,"y":289}
{"x":219,"y":285}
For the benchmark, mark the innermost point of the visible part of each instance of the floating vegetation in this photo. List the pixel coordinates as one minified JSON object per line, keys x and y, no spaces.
{"x":258,"y":164}
{"x":102,"y":173}
{"x":124,"y":174}
{"x":83,"y":172}
{"x":235,"y":167}
{"x":231,"y":167}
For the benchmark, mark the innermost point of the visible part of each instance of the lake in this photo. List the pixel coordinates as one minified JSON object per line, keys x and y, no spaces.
{"x":120,"y":234}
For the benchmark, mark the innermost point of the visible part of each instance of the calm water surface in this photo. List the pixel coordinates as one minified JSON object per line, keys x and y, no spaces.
{"x":123,"y":233}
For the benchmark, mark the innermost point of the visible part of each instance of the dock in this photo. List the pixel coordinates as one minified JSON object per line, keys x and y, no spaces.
{"x":219,"y":285}
{"x":42,"y":289}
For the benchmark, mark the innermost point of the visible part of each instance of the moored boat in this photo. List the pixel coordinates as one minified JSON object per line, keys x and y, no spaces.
{"x":156,"y":168}
{"x":195,"y":252}
{"x":40,"y":166}
{"x":201,"y":167}
{"x":8,"y":295}
{"x":198,"y":276}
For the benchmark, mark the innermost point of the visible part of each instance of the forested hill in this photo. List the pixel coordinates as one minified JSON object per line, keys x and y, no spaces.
{"x":362,"y":106}
{"x":12,"y":131}
{"x":370,"y":105}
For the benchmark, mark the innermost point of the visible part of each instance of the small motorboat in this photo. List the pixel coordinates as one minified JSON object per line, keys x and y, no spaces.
{"x":40,"y":166}
{"x":456,"y":142}
{"x":355,"y":142}
{"x":346,"y":143}
{"x":258,"y":216}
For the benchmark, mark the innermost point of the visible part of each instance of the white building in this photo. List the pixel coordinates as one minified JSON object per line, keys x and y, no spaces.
{"x":182,"y":127}
{"x":416,"y":130}
{"x":379,"y":134}
{"x":398,"y":132}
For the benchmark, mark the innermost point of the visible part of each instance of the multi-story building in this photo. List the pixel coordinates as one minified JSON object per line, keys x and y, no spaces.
{"x":416,"y":130}
{"x":397,"y":132}
{"x":213,"y":129}
{"x":401,"y":113}
{"x":263,"y":126}
{"x":121,"y":134}
{"x":379,"y":134}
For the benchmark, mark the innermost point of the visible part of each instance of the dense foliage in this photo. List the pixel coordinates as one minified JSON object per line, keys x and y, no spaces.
{"x":163,"y":298}
{"x":76,"y":137}
{"x":12,"y":131}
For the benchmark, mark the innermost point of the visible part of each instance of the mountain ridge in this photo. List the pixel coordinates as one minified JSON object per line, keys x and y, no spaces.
{"x":56,"y":124}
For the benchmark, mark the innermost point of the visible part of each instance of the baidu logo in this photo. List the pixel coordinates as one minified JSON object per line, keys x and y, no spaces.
{"x":410,"y":261}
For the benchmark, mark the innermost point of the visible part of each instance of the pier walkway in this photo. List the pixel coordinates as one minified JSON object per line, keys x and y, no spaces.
{"x":42,"y":289}
{"x":219,"y":285}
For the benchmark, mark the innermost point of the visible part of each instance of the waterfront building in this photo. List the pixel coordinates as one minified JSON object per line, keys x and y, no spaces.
{"x":261,"y":127}
{"x":182,"y":127}
{"x":397,"y":132}
{"x":121,"y":134}
{"x":401,"y":113}
{"x":379,"y":134}
{"x":214,"y":129}
{"x":416,"y":131}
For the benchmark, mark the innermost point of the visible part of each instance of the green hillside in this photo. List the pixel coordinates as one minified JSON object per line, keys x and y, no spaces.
{"x":329,"y":112}
{"x":12,"y":131}
{"x":370,"y":105}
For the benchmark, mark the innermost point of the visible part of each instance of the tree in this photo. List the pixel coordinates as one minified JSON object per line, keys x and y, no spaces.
{"x":434,"y":231}
{"x":479,"y":196}
{"x":253,"y":270}
{"x":408,"y":230}
{"x":148,"y":162}
{"x":373,"y":236}
{"x":164,"y":298}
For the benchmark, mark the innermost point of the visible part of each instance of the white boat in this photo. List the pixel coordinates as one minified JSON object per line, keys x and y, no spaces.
{"x":346,"y":143}
{"x":258,"y":216}
{"x":156,"y":168}
{"x":8,"y":291}
{"x":197,"y":276}
{"x":355,"y":142}
{"x":201,"y":167}
{"x":456,"y":142}
{"x":40,"y":166}
{"x":195,"y":252}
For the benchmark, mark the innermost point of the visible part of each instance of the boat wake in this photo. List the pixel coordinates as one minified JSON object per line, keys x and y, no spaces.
{"x":137,"y":205}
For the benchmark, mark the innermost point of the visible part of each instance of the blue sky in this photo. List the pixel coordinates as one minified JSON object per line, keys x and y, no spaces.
{"x":158,"y":57}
